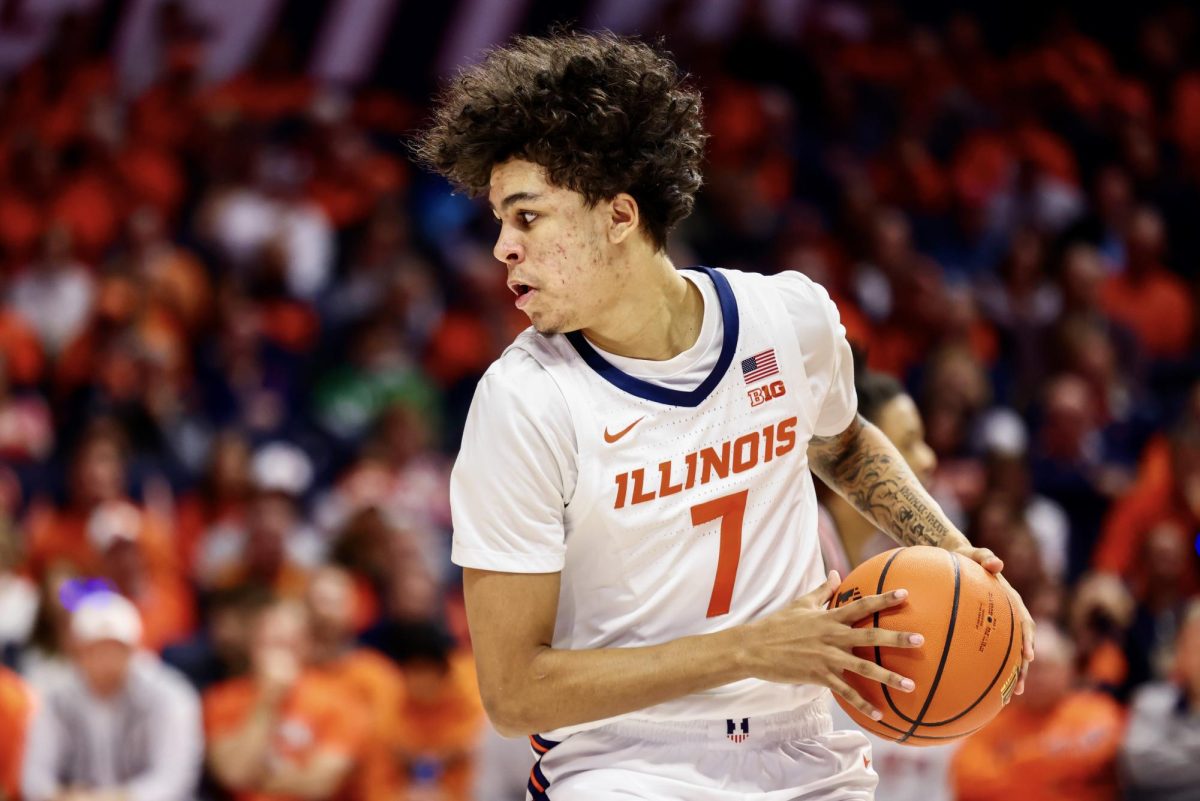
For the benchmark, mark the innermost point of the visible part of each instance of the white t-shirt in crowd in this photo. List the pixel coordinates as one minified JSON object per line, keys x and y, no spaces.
{"x":673,"y":496}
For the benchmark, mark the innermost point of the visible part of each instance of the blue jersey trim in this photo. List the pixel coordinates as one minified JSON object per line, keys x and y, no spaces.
{"x":672,"y":397}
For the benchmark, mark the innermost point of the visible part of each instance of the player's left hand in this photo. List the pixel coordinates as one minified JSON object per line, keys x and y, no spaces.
{"x":958,"y":543}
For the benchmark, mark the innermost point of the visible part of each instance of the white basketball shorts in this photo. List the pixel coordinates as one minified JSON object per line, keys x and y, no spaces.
{"x":789,"y":756}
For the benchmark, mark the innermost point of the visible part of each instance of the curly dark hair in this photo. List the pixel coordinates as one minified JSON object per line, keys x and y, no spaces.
{"x":602,"y":114}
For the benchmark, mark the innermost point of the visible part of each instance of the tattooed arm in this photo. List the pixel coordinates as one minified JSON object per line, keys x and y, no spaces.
{"x":864,"y":467}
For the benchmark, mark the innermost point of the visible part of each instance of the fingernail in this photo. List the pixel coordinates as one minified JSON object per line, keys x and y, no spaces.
{"x":916,"y":639}
{"x":908,"y":685}
{"x":876,"y":715}
{"x":899,"y":594}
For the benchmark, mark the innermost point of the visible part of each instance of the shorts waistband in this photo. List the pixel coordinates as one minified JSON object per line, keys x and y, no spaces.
{"x":800,"y":723}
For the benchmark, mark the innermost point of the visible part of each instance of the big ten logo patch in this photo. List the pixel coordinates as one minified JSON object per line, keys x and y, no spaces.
{"x":760,"y":395}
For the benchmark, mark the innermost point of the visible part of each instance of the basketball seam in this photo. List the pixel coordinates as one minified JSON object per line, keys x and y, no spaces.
{"x":937,"y":677}
{"x":1012,"y":628}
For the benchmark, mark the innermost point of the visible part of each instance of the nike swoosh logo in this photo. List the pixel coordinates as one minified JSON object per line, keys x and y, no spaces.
{"x":611,"y":438}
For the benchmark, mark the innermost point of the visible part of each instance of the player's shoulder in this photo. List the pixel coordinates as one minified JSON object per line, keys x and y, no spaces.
{"x":797,"y":291}
{"x":527,"y":359}
{"x":521,"y":377}
{"x":807,"y":305}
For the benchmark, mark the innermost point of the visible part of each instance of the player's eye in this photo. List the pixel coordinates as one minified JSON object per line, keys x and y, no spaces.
{"x":527,"y":217}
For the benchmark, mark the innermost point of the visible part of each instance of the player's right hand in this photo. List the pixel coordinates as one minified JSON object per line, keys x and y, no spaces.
{"x":808,"y":643}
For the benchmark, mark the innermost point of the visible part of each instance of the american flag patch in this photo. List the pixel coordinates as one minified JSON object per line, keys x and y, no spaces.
{"x":731,"y":730}
{"x":759,"y":366}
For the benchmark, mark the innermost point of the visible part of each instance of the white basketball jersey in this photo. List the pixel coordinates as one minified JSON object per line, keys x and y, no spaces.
{"x":693,"y":511}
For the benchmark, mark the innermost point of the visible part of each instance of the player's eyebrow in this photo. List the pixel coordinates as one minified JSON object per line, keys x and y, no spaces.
{"x":516,"y":197}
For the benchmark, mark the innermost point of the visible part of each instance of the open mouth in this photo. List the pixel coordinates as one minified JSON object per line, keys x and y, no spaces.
{"x":524,"y":293}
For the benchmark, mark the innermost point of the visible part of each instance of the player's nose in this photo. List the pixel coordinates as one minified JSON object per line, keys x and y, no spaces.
{"x":508,"y":249}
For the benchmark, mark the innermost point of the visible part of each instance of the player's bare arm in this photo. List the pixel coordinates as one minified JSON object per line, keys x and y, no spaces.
{"x":529,"y":686}
{"x":863,"y":466}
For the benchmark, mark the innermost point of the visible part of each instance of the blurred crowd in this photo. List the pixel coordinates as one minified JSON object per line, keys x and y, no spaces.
{"x":239,"y":333}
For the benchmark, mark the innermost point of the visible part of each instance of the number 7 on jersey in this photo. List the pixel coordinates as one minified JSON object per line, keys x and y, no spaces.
{"x":730,"y":510}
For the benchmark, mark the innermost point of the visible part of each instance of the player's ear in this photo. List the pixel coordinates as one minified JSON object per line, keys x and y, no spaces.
{"x":623,"y":218}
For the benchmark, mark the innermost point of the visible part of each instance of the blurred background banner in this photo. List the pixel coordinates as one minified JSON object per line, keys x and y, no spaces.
{"x":240,"y":330}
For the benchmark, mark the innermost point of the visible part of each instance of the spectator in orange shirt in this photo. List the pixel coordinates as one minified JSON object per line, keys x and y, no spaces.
{"x":432,"y":736}
{"x":163,"y":600}
{"x":58,"y":536}
{"x":90,"y":206}
{"x":1051,"y":743}
{"x":174,"y":277}
{"x":1146,"y":297}
{"x":16,"y":706}
{"x":270,"y":88}
{"x":32,"y":175}
{"x":20,"y":349}
{"x":367,"y":674}
{"x":349,"y":174}
{"x":1175,"y":503}
{"x":364,"y":673}
{"x":285,"y":732}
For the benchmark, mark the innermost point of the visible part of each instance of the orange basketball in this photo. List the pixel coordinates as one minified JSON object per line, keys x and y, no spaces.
{"x":966,"y":670}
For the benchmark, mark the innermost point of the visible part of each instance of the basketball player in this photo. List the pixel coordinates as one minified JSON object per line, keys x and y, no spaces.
{"x":633,"y":502}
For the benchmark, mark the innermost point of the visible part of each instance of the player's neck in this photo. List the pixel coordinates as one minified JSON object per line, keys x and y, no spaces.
{"x":657,"y":314}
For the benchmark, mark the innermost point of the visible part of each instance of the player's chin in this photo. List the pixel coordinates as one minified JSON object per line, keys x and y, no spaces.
{"x":546,"y":324}
{"x":545,"y":329}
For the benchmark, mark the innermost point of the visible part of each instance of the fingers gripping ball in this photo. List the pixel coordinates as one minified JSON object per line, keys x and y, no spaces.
{"x":966,"y":670}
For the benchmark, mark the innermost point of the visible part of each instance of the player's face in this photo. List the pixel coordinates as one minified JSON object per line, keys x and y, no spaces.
{"x":554,"y":246}
{"x":900,"y":422}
